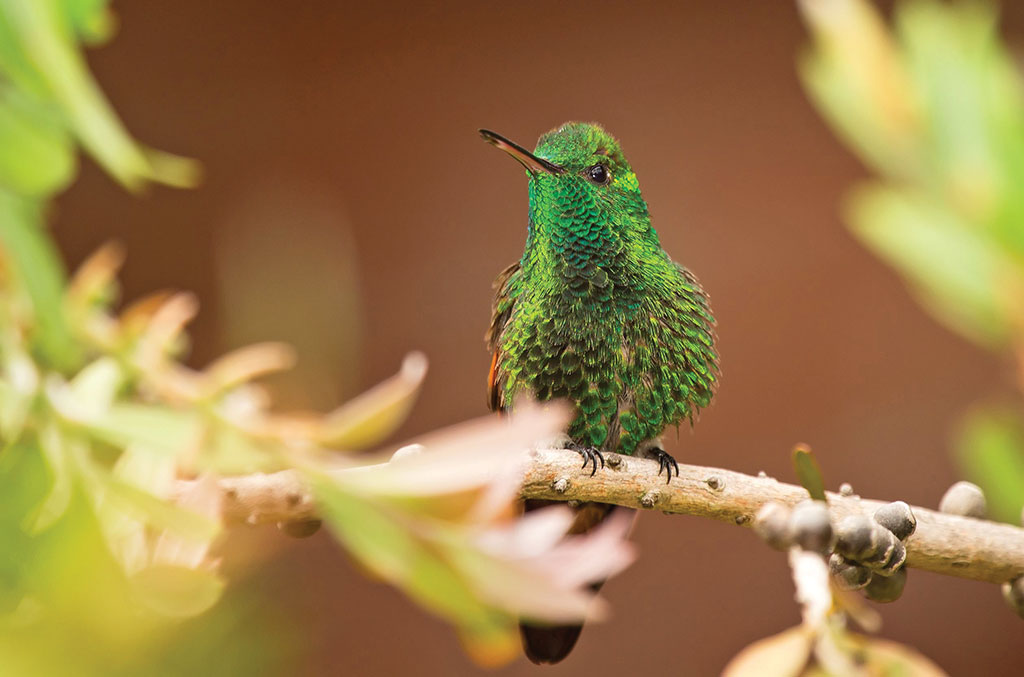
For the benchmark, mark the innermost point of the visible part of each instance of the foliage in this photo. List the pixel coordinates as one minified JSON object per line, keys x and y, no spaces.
{"x":935,"y":108}
{"x":99,"y":418}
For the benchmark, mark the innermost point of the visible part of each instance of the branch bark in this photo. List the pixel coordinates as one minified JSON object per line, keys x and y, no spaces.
{"x":946,"y":544}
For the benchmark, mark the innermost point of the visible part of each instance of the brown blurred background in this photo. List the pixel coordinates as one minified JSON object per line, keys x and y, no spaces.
{"x":350,"y":207}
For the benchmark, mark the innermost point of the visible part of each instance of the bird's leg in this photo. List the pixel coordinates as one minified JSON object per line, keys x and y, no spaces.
{"x":590,"y":455}
{"x":665,"y":462}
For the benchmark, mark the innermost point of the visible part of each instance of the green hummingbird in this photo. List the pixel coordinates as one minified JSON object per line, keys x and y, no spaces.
{"x":595,"y":312}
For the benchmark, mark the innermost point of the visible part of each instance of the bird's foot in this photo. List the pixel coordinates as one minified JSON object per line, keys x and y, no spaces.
{"x":590,"y":455}
{"x":665,"y":462}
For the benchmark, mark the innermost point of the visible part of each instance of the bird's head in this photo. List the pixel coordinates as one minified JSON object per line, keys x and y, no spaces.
{"x":579,"y":177}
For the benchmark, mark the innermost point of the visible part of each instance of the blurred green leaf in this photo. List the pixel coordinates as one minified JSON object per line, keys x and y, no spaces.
{"x":37,"y":267}
{"x":37,"y":154}
{"x":990,"y":449}
{"x":19,"y":386}
{"x":229,"y":451}
{"x":791,"y":654}
{"x":808,"y":472}
{"x":883,"y":657}
{"x":176,"y":591}
{"x":117,"y":497}
{"x":948,"y":52}
{"x":153,"y":427}
{"x":59,"y":497}
{"x":783,"y":655}
{"x":41,"y":31}
{"x":955,"y":271}
{"x":91,"y":20}
{"x":95,"y":386}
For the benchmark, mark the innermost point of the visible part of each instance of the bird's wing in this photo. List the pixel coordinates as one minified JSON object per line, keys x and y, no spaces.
{"x":501,"y":311}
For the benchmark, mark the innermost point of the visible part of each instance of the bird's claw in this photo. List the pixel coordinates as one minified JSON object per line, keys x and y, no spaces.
{"x":665,"y":462}
{"x":591,"y":455}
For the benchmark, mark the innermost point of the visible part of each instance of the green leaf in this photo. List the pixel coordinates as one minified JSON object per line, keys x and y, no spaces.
{"x":958,"y":273}
{"x":33,"y":257}
{"x":229,"y":451}
{"x":783,"y":655}
{"x":37,"y":46}
{"x":37,"y":154}
{"x":808,"y":472}
{"x":118,"y":498}
{"x":990,"y":449}
{"x":178,"y":592}
{"x":19,"y":387}
{"x":95,"y":386}
{"x":884,"y":657}
{"x":90,"y":19}
{"x":53,"y":449}
{"x":153,"y":427}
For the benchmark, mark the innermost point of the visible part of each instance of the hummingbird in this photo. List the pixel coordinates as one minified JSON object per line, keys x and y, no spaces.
{"x":596,"y":313}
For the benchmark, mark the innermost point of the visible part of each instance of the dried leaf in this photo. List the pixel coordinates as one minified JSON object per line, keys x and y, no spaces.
{"x":95,"y":280}
{"x":164,"y":333}
{"x":247,"y":364}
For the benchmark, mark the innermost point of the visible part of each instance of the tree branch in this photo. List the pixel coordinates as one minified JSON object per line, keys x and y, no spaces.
{"x":944,"y":544}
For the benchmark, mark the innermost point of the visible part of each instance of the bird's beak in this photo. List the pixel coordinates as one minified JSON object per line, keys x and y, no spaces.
{"x":533,"y":164}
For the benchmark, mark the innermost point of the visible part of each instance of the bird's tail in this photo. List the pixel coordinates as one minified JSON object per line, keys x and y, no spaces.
{"x":552,"y":643}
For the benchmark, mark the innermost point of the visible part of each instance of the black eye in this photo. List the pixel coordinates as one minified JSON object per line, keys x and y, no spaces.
{"x":599,"y":174}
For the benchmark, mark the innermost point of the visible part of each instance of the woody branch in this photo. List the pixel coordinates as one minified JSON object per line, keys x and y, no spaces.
{"x":946,"y":544}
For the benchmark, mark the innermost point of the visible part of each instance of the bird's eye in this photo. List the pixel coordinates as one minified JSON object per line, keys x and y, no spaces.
{"x":599,"y":174}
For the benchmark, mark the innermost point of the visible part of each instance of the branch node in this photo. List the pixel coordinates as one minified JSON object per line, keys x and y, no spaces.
{"x":561,"y":485}
{"x":650,"y":499}
{"x":613,"y":460}
{"x":715,"y":483}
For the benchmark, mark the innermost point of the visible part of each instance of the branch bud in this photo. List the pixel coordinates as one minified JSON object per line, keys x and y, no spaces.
{"x":898,"y":518}
{"x":772,"y":524}
{"x":848,"y":575}
{"x":887,"y":588}
{"x":964,"y":498}
{"x":867,"y":542}
{"x":1013,"y":593}
{"x":810,"y":528}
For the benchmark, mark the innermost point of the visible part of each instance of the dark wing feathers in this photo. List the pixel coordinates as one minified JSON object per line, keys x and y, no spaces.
{"x":501,"y":310}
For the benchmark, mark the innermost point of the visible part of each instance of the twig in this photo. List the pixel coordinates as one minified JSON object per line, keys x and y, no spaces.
{"x":945,"y":544}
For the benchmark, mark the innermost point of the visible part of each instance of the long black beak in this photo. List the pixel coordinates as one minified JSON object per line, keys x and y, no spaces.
{"x":527,"y":159}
